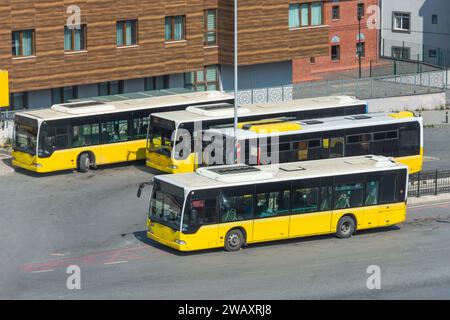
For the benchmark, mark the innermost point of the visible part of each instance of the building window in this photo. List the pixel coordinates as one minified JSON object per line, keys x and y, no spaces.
{"x":360,"y":11}
{"x":175,"y":28}
{"x":402,"y":22}
{"x":210,"y":27}
{"x":361,"y":49}
{"x":61,"y":95}
{"x":18,"y":101}
{"x":306,"y":14}
{"x":335,"y":13}
{"x":110,"y":88}
{"x":203,"y":80}
{"x":434,"y":19}
{"x":75,"y":38}
{"x":335,"y":52}
{"x":156,"y":83}
{"x":401,"y":53}
{"x":127,"y":33}
{"x":23,"y":43}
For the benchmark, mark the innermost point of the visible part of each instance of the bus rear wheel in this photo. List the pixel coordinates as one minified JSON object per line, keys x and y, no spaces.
{"x":84,"y":162}
{"x":345,"y":227}
{"x":234,"y":240}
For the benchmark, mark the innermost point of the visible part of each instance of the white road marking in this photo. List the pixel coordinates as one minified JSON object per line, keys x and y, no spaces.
{"x":42,"y":271}
{"x":115,"y":262}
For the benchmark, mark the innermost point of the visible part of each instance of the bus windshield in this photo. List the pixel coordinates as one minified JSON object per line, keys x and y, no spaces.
{"x":166,"y":206}
{"x":25,"y":135}
{"x":160,"y":134}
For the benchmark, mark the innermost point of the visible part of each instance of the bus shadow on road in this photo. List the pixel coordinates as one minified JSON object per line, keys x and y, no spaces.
{"x":141,"y":236}
{"x":139,"y":165}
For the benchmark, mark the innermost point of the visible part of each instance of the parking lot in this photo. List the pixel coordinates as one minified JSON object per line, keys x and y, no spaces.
{"x":96,"y":221}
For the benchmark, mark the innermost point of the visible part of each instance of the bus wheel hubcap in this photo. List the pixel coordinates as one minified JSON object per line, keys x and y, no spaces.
{"x":345,"y":227}
{"x":233,"y":240}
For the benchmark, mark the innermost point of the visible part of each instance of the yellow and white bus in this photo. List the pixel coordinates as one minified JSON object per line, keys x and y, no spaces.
{"x":232,"y":206}
{"x":165,"y":126}
{"x":398,"y":135}
{"x":85,"y":134}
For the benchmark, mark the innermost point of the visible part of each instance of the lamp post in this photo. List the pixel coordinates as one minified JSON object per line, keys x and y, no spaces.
{"x":235,"y":81}
{"x":359,"y":49}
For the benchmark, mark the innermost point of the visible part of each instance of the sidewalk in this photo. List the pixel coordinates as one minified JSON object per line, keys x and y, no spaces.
{"x":5,"y":165}
{"x":426,"y":200}
{"x":435,"y":117}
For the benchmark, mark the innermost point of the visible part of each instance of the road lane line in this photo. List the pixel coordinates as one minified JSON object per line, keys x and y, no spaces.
{"x":42,"y":271}
{"x":116,"y":262}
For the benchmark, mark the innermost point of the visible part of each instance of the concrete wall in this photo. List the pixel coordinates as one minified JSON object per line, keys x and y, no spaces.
{"x":257,"y":76}
{"x":412,"y":103}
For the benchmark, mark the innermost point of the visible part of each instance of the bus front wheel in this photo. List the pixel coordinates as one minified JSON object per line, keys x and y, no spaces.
{"x":345,"y":227}
{"x":84,"y":162}
{"x":234,"y":240}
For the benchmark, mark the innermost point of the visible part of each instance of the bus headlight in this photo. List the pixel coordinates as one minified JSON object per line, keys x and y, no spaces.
{"x":37,"y":165}
{"x":180,"y":242}
{"x":173,"y":167}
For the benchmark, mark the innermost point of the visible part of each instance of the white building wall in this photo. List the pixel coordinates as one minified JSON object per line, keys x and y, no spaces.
{"x":424,"y":35}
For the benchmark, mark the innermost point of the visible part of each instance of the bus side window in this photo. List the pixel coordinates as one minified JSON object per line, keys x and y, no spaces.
{"x":272,"y":200}
{"x":140,"y":126}
{"x":236,"y":204}
{"x":305,"y":196}
{"x":388,"y":188}
{"x":325,"y":196}
{"x":410,"y":140}
{"x":203,"y":211}
{"x":372,"y":193}
{"x":348,"y":192}
{"x":305,"y":200}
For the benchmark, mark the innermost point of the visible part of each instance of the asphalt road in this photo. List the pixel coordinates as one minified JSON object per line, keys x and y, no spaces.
{"x":95,"y":221}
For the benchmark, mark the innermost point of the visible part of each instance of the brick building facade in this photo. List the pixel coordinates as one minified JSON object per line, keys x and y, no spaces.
{"x":342,"y":19}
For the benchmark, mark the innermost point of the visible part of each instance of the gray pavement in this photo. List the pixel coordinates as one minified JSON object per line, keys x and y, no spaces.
{"x":95,"y":221}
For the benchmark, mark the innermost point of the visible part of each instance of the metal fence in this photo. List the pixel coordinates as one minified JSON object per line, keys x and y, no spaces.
{"x":416,"y":52}
{"x":380,"y":87}
{"x":429,"y":183}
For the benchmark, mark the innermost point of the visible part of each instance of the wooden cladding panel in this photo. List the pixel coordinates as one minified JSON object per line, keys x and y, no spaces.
{"x":264,"y":34}
{"x":51,"y":67}
{"x":263,"y":37}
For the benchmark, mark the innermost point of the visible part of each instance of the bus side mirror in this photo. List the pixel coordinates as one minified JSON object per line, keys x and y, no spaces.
{"x":141,"y":187}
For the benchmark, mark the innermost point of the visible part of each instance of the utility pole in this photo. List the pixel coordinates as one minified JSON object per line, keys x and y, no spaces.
{"x":235,"y":80}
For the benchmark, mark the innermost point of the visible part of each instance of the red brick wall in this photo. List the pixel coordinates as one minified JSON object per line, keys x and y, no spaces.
{"x":346,"y":28}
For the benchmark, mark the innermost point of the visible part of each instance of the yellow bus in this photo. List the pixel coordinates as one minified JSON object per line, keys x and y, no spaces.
{"x":84,"y":134}
{"x":165,"y":126}
{"x":4,"y":89}
{"x":232,"y":206}
{"x":398,"y":135}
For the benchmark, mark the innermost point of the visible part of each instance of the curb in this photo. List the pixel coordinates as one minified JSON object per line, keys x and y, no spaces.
{"x":442,"y":198}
